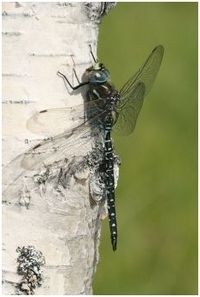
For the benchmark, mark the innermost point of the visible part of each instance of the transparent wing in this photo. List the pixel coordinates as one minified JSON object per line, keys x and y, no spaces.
{"x":129,"y":105}
{"x":62,"y":142}
{"x":51,"y":122}
{"x":61,"y":147}
{"x":128,"y":115}
{"x":64,"y":145}
{"x":146,"y":74}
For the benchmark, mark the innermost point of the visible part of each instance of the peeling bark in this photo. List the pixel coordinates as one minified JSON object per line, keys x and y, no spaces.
{"x":49,"y":207}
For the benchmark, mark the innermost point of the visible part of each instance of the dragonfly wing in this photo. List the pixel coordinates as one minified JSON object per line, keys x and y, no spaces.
{"x":51,"y":122}
{"x":128,"y":114}
{"x":47,"y":152}
{"x":54,"y":121}
{"x":76,"y":142}
{"x":138,"y":85}
{"x":62,"y":146}
{"x":147,"y":73}
{"x":72,"y":142}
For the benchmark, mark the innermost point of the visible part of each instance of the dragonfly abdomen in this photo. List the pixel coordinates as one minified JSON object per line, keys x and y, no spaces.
{"x":110,"y":184}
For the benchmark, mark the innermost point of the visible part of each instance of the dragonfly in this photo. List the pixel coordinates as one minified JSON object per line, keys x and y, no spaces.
{"x":107,"y":110}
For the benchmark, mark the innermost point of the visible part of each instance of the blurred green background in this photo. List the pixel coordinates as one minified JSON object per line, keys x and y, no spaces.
{"x":157,"y":190}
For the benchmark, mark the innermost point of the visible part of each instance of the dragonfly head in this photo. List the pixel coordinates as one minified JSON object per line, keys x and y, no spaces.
{"x":97,"y":74}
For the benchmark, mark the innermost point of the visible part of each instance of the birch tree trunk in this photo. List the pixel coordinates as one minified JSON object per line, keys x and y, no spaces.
{"x":51,"y":228}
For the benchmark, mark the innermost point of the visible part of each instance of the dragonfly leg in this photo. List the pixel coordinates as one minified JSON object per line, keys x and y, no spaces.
{"x":68,"y":82}
{"x":76,"y":76}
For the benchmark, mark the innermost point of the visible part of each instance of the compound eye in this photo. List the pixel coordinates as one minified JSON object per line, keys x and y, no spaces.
{"x":97,"y":75}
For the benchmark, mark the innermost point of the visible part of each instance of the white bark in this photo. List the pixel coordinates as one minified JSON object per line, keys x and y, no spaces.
{"x":38,"y":40}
